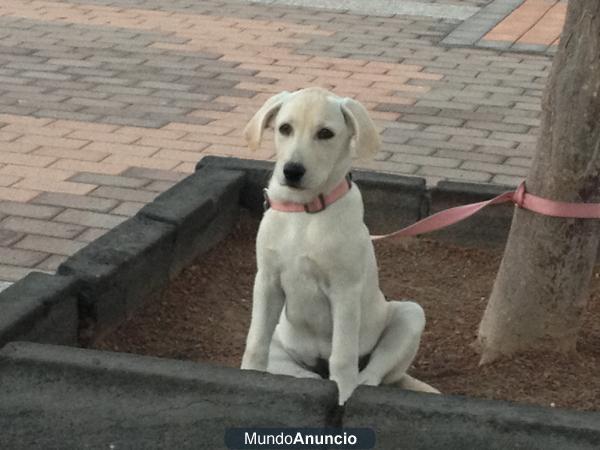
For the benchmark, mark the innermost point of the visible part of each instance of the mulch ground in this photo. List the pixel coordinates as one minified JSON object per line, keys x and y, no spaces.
{"x":205,"y":314}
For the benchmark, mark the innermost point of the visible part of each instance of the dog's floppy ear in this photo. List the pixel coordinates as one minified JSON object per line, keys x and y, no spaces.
{"x":366,"y":138}
{"x":254,"y":130}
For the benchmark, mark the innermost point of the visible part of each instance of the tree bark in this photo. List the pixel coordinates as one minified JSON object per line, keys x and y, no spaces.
{"x":541,"y":289}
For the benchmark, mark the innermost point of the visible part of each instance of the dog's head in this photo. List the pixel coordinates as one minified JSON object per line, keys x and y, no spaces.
{"x":316,"y":136}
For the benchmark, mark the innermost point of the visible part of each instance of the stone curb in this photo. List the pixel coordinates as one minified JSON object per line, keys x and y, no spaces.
{"x":40,"y":308}
{"x":119,"y":270}
{"x":426,"y":421}
{"x":203,"y":207}
{"x":257,"y":176}
{"x":135,"y":261}
{"x":391,"y":201}
{"x":469,"y":192}
{"x":74,"y":398}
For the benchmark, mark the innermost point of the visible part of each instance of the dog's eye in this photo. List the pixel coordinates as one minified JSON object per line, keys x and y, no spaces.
{"x":325,"y":133}
{"x":285,"y":129}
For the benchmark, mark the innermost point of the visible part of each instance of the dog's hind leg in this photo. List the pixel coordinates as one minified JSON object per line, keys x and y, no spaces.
{"x":396,"y":349}
{"x":281,"y":363}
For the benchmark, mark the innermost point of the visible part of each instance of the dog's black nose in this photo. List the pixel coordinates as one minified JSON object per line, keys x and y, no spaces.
{"x":293,"y":172}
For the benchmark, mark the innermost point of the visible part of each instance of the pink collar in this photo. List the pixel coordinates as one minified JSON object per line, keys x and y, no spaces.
{"x":315,"y":206}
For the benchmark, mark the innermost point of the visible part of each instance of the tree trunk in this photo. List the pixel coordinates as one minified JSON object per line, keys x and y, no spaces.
{"x":541,"y":288}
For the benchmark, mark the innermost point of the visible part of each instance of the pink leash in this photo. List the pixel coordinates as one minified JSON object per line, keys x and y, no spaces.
{"x":519,"y":197}
{"x":451,"y":216}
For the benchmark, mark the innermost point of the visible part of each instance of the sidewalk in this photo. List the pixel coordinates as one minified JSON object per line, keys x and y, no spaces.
{"x":106,"y":103}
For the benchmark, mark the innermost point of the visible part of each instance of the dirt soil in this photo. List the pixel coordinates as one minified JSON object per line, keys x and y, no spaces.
{"x":205,"y":314}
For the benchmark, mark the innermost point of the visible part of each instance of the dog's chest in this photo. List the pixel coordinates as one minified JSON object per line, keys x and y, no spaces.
{"x":301,"y":273}
{"x":299,"y":259}
{"x":306,"y":303}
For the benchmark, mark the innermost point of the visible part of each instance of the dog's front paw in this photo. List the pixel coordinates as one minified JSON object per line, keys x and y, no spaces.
{"x":251,"y":366}
{"x":251,"y":362}
{"x":346,"y":386}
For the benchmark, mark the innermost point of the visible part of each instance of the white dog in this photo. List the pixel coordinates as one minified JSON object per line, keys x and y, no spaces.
{"x":317,"y":308}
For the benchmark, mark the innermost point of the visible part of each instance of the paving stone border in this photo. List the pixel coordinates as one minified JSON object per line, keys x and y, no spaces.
{"x":119,"y":270}
{"x":40,"y":307}
{"x":63,"y":397}
{"x":384,"y":7}
{"x":203,"y":207}
{"x":470,"y":32}
{"x":70,"y":397}
{"x":419,"y":421}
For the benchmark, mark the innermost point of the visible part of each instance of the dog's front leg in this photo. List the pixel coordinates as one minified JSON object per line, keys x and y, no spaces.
{"x":343,"y":362}
{"x":267,"y":303}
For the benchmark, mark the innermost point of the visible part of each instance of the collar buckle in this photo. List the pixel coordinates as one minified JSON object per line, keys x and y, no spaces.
{"x":322,"y":207}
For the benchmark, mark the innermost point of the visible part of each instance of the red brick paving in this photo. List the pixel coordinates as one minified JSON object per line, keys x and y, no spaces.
{"x":104,"y":106}
{"x":537,"y":22}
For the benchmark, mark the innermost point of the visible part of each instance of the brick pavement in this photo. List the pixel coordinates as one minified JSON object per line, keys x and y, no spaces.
{"x":534,"y":25}
{"x":106,"y":103}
